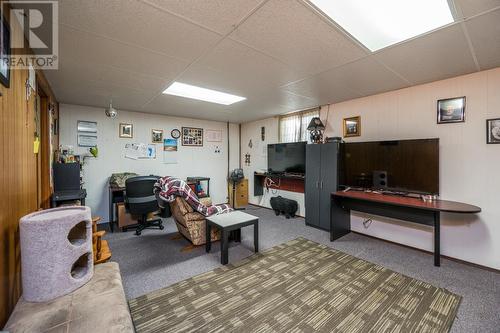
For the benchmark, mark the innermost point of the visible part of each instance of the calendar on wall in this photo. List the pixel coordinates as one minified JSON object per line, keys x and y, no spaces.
{"x":192,"y":136}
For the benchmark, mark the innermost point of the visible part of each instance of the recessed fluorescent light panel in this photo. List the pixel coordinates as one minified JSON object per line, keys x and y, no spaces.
{"x":380,"y":23}
{"x":203,"y":94}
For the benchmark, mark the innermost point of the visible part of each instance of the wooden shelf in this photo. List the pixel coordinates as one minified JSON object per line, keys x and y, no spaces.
{"x":100,"y":247}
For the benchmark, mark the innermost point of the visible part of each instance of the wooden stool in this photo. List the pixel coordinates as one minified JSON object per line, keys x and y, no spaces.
{"x":100,"y":247}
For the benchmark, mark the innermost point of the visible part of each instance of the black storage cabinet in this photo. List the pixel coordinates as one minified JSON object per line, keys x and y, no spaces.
{"x":322,"y":177}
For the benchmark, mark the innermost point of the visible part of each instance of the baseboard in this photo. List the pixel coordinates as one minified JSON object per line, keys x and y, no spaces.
{"x":468,"y":263}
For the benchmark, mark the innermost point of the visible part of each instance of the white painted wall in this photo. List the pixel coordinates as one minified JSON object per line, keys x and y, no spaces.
{"x":258,"y":153}
{"x":192,"y":161}
{"x":469,"y":168}
{"x":234,"y":146}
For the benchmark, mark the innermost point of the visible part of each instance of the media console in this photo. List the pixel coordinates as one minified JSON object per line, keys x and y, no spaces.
{"x":398,"y":207}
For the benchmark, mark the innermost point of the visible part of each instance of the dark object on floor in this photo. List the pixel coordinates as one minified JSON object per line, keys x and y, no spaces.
{"x":140,"y":200}
{"x":284,"y":206}
{"x":335,"y":282}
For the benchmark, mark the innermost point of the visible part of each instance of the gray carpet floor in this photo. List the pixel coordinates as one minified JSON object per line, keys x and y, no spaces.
{"x":154,"y":260}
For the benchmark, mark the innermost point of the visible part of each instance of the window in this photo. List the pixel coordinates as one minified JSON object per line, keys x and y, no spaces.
{"x":293,"y":127}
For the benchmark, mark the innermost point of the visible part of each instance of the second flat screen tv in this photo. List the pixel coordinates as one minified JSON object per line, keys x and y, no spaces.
{"x":401,"y":165}
{"x":287,"y":157}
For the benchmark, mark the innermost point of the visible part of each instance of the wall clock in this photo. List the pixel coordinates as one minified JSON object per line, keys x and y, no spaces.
{"x":175,"y":133}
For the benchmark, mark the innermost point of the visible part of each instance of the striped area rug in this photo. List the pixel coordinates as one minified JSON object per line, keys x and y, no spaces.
{"x":298,"y":286}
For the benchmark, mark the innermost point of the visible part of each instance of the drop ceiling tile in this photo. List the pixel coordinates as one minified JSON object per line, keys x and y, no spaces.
{"x":98,"y":94}
{"x":79,"y":46}
{"x":254,"y":107}
{"x":218,"y":15}
{"x":484,"y":32}
{"x":132,"y":80}
{"x":470,"y":8}
{"x":365,"y":76}
{"x":190,"y":108}
{"x":288,"y":100}
{"x":225,"y":81}
{"x":244,"y":64}
{"x":138,"y":24}
{"x":438,"y":55}
{"x":71,"y":70}
{"x":325,"y":88}
{"x":297,"y":36}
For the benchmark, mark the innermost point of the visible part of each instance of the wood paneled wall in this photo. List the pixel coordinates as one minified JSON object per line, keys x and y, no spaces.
{"x":18,"y":172}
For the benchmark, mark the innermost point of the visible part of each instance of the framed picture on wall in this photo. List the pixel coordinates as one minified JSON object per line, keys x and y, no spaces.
{"x":451,"y":110}
{"x":192,"y":136}
{"x":126,"y":131}
{"x":352,"y":126}
{"x":157,"y":136}
{"x":4,"y":53}
{"x":493,"y":131}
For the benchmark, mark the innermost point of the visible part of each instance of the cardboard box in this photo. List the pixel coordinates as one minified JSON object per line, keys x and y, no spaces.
{"x":124,"y":218}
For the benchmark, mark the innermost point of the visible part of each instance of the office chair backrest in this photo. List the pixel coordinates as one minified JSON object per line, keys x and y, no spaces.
{"x":139,"y":196}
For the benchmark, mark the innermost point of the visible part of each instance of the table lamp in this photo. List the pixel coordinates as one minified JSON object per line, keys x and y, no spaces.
{"x":316,"y":128}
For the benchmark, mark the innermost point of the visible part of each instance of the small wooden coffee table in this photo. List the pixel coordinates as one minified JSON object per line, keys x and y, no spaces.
{"x":227,"y":223}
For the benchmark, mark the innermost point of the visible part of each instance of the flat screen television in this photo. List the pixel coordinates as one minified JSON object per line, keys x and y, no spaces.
{"x":402,"y":165}
{"x":287,"y":157}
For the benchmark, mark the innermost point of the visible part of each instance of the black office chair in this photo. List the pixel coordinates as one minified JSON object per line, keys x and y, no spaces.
{"x":141,"y":200}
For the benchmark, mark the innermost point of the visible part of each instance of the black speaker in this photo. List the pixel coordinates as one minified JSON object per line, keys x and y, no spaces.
{"x":380,"y":179}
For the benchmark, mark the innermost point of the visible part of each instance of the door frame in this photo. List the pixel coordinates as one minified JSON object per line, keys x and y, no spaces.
{"x":44,"y":152}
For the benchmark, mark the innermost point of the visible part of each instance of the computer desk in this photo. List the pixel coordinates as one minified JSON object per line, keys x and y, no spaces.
{"x":399,"y":207}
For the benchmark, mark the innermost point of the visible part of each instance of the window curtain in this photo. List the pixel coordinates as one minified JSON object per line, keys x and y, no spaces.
{"x":293,"y":127}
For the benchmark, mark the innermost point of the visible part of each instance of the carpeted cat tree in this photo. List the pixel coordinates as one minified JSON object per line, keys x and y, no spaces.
{"x":56,"y":252}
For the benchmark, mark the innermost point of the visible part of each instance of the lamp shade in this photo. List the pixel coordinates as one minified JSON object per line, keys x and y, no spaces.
{"x":316,"y":124}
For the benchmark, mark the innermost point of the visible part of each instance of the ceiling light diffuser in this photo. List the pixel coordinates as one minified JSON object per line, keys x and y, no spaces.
{"x":380,"y":23}
{"x":203,"y":94}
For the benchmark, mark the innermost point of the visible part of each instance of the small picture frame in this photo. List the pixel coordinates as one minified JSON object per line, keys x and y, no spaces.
{"x":156,"y":136}
{"x":451,"y":110}
{"x":493,"y":131}
{"x":126,"y":131}
{"x":192,"y":136}
{"x":352,"y":127}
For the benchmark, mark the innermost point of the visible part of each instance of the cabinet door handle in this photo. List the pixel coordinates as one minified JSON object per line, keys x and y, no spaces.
{"x":321,"y":186}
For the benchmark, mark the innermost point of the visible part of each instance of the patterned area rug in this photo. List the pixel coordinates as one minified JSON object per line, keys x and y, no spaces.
{"x":299,"y":286}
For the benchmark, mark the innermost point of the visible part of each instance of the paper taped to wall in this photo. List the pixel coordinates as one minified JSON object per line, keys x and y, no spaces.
{"x":137,"y":151}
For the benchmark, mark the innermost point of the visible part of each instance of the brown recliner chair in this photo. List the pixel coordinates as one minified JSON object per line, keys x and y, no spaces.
{"x":191,"y":224}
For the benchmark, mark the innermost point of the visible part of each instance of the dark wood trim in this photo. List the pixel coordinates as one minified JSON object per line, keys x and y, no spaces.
{"x":45,"y":152}
{"x":19,"y":186}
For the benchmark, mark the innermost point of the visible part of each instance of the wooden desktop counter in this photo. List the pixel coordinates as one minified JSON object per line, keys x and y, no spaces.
{"x":398,"y":207}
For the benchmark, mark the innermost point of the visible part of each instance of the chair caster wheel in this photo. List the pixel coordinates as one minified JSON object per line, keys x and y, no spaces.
{"x":137,"y":233}
{"x":162,"y":227}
